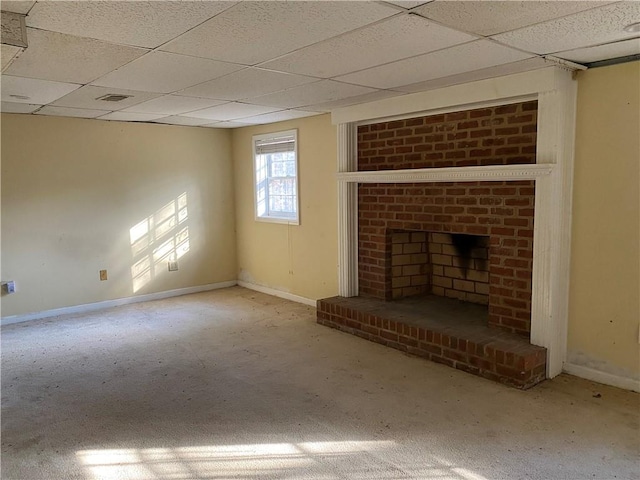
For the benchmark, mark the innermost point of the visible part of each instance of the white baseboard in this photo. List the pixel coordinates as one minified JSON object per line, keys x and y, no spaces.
{"x":602,"y":377}
{"x":89,"y":307}
{"x":278,"y":293}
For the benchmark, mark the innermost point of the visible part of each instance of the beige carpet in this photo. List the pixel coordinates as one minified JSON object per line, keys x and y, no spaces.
{"x":235,"y":384}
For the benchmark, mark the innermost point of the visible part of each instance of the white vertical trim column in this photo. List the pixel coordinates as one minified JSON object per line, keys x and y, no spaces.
{"x":552,"y":228}
{"x":347,"y":212}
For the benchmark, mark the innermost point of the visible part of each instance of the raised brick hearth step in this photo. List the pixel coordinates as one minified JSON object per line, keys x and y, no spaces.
{"x":443,"y":330}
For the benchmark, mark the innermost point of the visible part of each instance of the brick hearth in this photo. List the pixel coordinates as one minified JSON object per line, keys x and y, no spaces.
{"x":442,"y":330}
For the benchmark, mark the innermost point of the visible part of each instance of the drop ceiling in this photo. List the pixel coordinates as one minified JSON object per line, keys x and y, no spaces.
{"x":228,"y":64}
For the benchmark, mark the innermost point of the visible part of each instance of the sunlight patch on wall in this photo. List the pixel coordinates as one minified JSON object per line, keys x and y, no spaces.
{"x":158,"y":239}
{"x":380,"y":459}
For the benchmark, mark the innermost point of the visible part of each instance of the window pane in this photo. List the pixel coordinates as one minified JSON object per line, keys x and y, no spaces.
{"x":282,"y":204}
{"x":261,"y":168}
{"x":282,"y":186}
{"x":282,"y":168}
{"x":276,"y":175}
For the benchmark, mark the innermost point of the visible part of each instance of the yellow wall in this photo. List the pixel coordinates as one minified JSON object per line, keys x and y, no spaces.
{"x":72,"y":189}
{"x":297,"y":259}
{"x":604,"y":309}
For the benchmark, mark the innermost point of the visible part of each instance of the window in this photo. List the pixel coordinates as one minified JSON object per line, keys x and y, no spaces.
{"x":276,"y":176}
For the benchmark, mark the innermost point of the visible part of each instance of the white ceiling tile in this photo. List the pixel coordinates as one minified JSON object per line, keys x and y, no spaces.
{"x":490,"y":17}
{"x":87,"y":97}
{"x":143,"y":24}
{"x":65,"y":58}
{"x":278,"y":116}
{"x":408,"y":3}
{"x":7,"y":54}
{"x":228,"y":125}
{"x":482,"y":74}
{"x":183,"y":120}
{"x":70,"y":112}
{"x":165,"y":73}
{"x":30,"y":90}
{"x":130,"y":117}
{"x":367,"y":97}
{"x":311,"y":94}
{"x":588,"y":28}
{"x":602,"y":52}
{"x":232,"y":111}
{"x":12,"y":107}
{"x":393,"y":39}
{"x":252,"y":32}
{"x":17,"y":6}
{"x":173,"y":105}
{"x":454,"y":60}
{"x":249,"y":82}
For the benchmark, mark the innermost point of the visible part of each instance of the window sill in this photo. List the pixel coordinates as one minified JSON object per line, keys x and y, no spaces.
{"x":286,"y":221}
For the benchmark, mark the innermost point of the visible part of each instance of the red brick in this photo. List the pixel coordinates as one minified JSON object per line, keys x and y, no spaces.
{"x":526,"y":139}
{"x":467,"y":125}
{"x":505,"y":131}
{"x":434,"y":119}
{"x":454,"y":355}
{"x":480,"y":133}
{"x":506,"y":109}
{"x":486,"y":112}
{"x":389,"y":335}
{"x":445,"y":208}
{"x":502,"y":231}
{"x":520,"y":119}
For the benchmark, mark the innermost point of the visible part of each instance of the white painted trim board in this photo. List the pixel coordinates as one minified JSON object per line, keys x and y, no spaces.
{"x":449,"y":174}
{"x":90,"y":307}
{"x":278,"y":293}
{"x":602,"y":377}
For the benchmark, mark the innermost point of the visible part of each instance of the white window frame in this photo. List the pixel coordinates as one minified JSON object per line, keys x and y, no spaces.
{"x":274,"y":218}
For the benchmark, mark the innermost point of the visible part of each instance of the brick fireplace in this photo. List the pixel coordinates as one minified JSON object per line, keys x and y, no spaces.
{"x":499,"y":211}
{"x":458,"y":241}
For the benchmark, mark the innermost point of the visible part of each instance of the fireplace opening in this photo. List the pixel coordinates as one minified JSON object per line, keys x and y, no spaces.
{"x":467,"y":247}
{"x":447,"y":265}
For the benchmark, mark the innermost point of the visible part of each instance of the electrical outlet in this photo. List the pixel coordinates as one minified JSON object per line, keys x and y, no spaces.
{"x":103,"y":275}
{"x":173,"y":266}
{"x":10,"y":286}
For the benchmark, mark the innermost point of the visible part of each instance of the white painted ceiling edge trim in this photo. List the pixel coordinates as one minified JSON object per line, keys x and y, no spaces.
{"x":515,"y":86}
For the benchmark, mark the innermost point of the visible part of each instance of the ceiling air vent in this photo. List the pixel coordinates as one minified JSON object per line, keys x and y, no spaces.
{"x":113,"y":97}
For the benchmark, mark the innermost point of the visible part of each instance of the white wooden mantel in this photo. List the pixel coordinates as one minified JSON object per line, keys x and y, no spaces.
{"x":555,"y":90}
